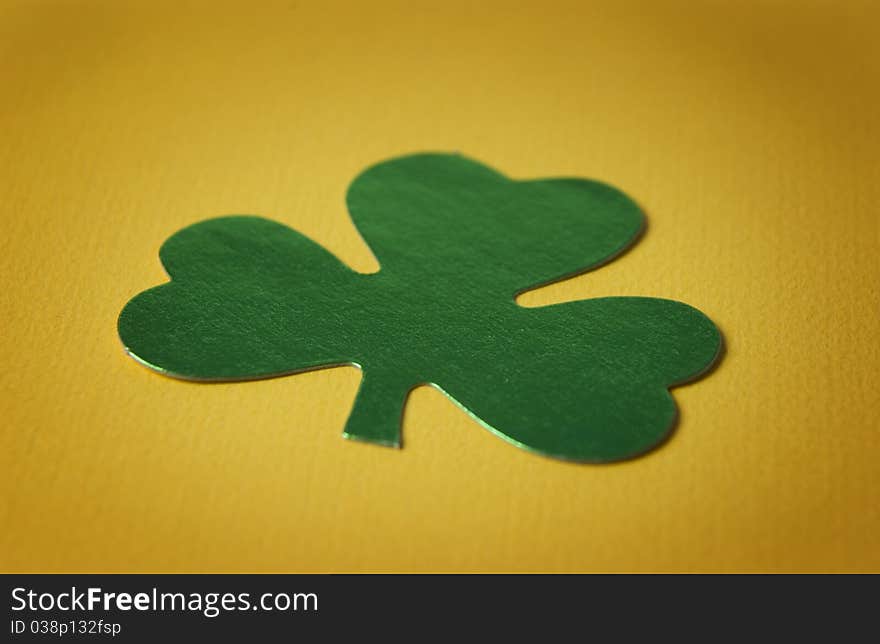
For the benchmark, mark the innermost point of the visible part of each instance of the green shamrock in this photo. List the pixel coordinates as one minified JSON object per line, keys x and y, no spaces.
{"x":457,"y":241}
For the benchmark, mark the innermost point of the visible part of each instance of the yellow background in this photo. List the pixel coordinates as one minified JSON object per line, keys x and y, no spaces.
{"x":747,"y":130}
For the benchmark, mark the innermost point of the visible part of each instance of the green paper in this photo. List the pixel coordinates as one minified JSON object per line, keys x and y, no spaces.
{"x":587,"y":381}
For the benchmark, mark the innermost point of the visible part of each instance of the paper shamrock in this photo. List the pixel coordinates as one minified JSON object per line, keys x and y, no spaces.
{"x":587,"y":381}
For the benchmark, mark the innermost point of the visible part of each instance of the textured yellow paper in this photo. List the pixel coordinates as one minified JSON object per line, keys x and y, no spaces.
{"x":747,"y":131}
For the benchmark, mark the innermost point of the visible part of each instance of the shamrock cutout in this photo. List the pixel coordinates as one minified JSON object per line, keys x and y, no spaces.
{"x":587,"y":380}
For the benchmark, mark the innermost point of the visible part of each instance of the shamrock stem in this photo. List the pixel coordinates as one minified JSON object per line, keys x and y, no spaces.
{"x":377,"y":411}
